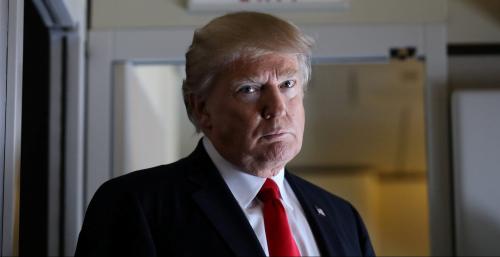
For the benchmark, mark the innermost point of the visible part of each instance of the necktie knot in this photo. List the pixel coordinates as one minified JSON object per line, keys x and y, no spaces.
{"x":269,"y":191}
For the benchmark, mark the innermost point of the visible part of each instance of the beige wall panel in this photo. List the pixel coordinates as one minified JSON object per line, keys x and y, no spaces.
{"x":403,"y":217}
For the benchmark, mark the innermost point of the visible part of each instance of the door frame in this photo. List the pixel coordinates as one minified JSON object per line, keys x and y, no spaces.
{"x":11,"y":61}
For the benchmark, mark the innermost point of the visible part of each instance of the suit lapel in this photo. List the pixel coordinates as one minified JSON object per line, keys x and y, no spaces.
{"x":326,"y":237}
{"x":217,"y":202}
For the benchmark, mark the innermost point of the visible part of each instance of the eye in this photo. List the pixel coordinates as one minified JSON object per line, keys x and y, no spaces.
{"x":288,"y":84}
{"x":247,"y":89}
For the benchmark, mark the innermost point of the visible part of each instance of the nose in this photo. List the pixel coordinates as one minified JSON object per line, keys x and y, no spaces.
{"x":273,"y":103}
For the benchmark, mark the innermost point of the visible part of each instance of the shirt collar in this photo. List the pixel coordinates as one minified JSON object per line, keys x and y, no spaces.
{"x":243,"y":185}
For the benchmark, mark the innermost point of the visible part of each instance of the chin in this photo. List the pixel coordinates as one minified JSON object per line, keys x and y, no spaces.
{"x":270,"y":160}
{"x":280,"y":153}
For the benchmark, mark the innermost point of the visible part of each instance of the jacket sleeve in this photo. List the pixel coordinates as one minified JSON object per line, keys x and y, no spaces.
{"x":115,"y":225}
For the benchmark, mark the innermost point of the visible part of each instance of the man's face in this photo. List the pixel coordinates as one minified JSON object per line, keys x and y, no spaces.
{"x":254,"y":114}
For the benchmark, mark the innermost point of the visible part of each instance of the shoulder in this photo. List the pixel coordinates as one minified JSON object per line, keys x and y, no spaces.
{"x":142,"y":186}
{"x":127,"y":209}
{"x":316,"y":197}
{"x":149,"y":177}
{"x":169,"y":177}
{"x":316,"y":192}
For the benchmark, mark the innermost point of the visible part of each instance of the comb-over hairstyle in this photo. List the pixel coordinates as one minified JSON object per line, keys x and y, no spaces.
{"x":239,"y":35}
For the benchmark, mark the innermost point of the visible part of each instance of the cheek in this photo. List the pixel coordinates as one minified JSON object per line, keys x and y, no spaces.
{"x":301,"y":123}
{"x":235,"y":121}
{"x":298,"y":113}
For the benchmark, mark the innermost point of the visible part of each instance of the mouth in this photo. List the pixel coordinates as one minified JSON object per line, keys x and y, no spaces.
{"x":276,"y":135}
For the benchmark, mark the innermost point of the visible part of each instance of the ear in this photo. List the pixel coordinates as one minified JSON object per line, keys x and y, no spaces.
{"x":200,"y":112}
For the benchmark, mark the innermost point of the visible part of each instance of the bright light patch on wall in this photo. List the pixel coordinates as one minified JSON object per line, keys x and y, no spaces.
{"x":263,"y":5}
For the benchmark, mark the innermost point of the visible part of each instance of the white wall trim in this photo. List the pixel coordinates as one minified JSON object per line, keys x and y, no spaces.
{"x":438,"y":142}
{"x":98,"y":113}
{"x":75,"y":142}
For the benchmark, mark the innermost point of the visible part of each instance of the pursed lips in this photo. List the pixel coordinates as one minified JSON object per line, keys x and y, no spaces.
{"x":276,"y":134}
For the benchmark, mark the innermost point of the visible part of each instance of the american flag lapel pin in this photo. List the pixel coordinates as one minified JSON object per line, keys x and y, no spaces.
{"x":320,"y":211}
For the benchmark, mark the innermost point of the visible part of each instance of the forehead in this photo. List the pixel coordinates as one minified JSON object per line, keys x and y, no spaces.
{"x":279,"y":65}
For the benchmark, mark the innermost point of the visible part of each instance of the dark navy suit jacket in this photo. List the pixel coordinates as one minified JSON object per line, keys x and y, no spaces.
{"x":186,"y":209}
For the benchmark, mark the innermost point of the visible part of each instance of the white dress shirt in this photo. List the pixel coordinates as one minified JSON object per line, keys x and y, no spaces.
{"x":245,"y":188}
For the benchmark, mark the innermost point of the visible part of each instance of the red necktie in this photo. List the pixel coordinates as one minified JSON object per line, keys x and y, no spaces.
{"x":279,"y":237}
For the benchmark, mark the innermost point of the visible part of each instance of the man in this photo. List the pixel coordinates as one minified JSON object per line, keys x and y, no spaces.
{"x":245,"y":79}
